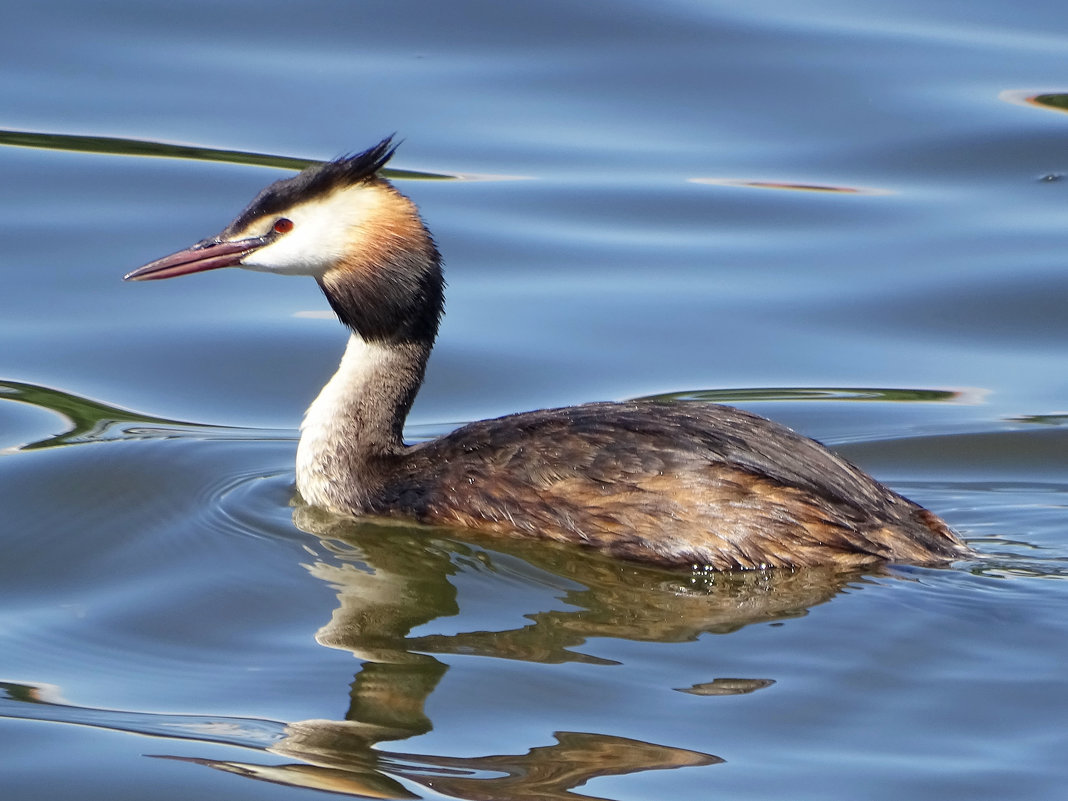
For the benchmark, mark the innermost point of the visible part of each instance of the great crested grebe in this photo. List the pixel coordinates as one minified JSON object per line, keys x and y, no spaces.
{"x":687,"y":484}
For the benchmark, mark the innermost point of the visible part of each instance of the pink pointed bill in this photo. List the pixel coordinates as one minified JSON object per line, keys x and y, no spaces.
{"x":197,"y":259}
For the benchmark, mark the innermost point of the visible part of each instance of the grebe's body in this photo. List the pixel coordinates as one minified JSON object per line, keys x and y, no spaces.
{"x":673,"y":484}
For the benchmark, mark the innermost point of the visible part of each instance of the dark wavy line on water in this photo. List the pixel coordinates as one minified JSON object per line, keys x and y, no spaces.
{"x":118,"y":146}
{"x":741,"y":395}
{"x":339,"y":756}
{"x":32,"y":702}
{"x":93,"y":421}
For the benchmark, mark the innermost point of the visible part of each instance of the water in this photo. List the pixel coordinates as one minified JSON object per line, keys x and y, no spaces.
{"x":658,"y":222}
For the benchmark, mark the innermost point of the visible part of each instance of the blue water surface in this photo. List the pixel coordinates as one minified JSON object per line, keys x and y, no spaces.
{"x":848,"y":216}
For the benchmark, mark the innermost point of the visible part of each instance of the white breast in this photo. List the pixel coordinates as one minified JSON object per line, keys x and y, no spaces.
{"x":329,"y":433}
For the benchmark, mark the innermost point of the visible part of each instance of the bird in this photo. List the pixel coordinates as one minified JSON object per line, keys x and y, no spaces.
{"x":672,"y":484}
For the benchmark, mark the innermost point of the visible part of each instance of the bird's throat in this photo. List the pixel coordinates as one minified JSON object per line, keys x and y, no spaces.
{"x":356,"y":423}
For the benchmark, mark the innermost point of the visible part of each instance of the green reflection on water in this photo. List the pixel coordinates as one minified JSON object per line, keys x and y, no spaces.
{"x":117,"y":146}
{"x":809,"y":393}
{"x":92,"y":421}
{"x":1041,"y":419}
{"x":1057,"y":101}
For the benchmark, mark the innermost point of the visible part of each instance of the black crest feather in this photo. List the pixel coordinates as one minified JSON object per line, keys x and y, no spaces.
{"x":316,"y":181}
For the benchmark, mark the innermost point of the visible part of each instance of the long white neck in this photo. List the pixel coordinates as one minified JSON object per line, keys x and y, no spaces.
{"x":356,"y":420}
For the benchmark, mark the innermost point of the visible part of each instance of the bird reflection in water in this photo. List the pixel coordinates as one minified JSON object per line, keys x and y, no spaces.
{"x":391,"y":579}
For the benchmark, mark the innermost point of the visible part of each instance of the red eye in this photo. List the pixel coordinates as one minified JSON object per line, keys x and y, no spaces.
{"x":282,"y":226}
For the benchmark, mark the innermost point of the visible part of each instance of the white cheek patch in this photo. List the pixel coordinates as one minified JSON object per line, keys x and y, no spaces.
{"x":323,"y":232}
